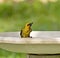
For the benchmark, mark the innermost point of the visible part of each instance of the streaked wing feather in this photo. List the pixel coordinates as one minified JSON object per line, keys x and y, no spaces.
{"x":21,"y":33}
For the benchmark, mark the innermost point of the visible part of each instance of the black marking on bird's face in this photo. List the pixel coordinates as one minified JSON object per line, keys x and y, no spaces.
{"x":30,"y":24}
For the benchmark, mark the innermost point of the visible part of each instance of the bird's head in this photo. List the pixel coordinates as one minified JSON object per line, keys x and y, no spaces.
{"x":29,"y":24}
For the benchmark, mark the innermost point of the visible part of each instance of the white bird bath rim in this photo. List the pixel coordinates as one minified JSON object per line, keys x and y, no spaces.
{"x":42,"y":42}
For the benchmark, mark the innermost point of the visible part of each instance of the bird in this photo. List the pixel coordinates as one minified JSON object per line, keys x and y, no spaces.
{"x":25,"y":32}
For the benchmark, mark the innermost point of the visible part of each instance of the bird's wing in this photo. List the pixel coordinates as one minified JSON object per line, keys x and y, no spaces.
{"x":21,"y":33}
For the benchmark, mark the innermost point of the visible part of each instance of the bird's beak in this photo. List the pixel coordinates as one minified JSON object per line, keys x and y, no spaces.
{"x":31,"y":24}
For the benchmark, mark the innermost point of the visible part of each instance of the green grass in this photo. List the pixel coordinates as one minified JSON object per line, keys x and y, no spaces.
{"x":8,"y":54}
{"x":46,"y":17}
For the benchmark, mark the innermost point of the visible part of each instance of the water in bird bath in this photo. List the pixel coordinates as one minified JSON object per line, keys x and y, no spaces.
{"x":35,"y":34}
{"x":45,"y":34}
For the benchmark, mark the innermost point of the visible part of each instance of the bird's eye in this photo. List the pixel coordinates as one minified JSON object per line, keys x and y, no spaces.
{"x":28,"y":24}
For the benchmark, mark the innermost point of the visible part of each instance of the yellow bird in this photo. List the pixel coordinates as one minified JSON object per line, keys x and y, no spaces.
{"x":25,"y":32}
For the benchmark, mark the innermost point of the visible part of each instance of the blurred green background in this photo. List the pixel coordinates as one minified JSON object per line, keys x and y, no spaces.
{"x":46,"y":17}
{"x":8,"y":54}
{"x":13,"y":17}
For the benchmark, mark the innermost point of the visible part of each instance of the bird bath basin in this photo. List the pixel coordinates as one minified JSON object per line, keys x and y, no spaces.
{"x":42,"y":42}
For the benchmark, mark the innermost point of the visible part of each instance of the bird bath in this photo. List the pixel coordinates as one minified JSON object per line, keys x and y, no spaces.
{"x":42,"y":42}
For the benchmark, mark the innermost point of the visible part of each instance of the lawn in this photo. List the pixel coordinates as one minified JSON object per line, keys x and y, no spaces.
{"x":8,"y":54}
{"x":46,"y":17}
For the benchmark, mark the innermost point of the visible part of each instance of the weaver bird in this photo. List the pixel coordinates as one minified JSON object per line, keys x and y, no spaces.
{"x":25,"y":32}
